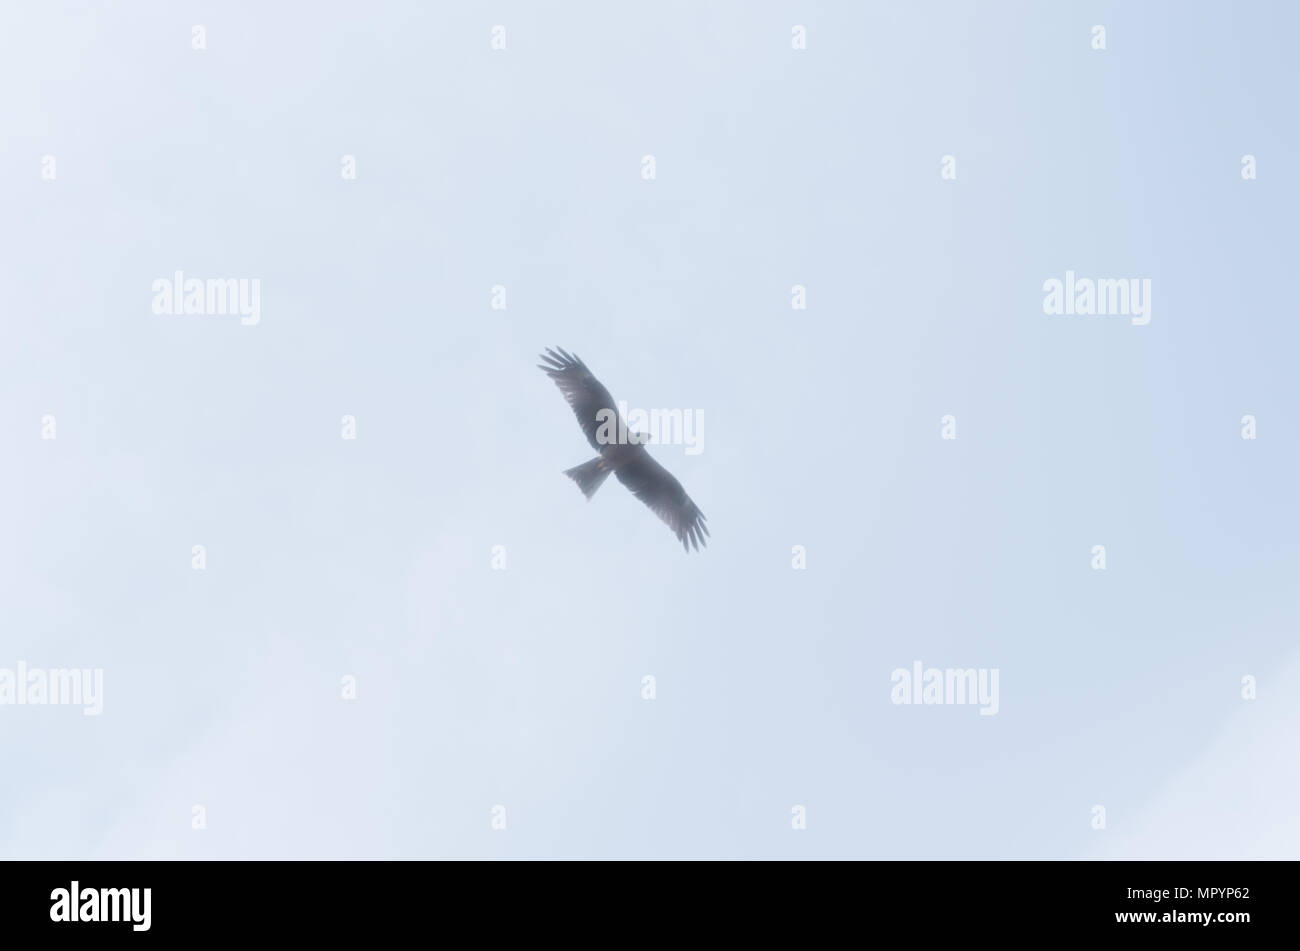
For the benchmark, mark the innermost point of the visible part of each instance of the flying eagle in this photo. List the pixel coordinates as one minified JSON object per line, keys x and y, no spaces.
{"x":650,"y":482}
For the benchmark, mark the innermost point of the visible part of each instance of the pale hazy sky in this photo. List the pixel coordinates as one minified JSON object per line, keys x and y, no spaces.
{"x":522,"y":167}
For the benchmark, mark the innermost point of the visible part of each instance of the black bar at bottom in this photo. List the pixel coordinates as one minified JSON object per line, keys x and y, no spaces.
{"x":926,"y":900}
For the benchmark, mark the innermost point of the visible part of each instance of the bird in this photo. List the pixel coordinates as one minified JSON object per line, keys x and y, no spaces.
{"x":628,"y":460}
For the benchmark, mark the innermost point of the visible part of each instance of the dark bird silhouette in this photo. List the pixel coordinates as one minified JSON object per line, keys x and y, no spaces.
{"x":635,"y":467}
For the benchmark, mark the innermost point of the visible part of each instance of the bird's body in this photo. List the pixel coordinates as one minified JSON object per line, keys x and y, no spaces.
{"x":628,"y":460}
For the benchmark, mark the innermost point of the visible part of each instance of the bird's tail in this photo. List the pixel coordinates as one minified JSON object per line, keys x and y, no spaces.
{"x":589,"y":475}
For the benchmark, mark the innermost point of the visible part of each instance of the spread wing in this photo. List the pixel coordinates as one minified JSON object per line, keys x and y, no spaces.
{"x":656,"y":487}
{"x":586,"y":395}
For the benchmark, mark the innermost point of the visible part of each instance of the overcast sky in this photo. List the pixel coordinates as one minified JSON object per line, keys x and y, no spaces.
{"x":129,"y":155}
